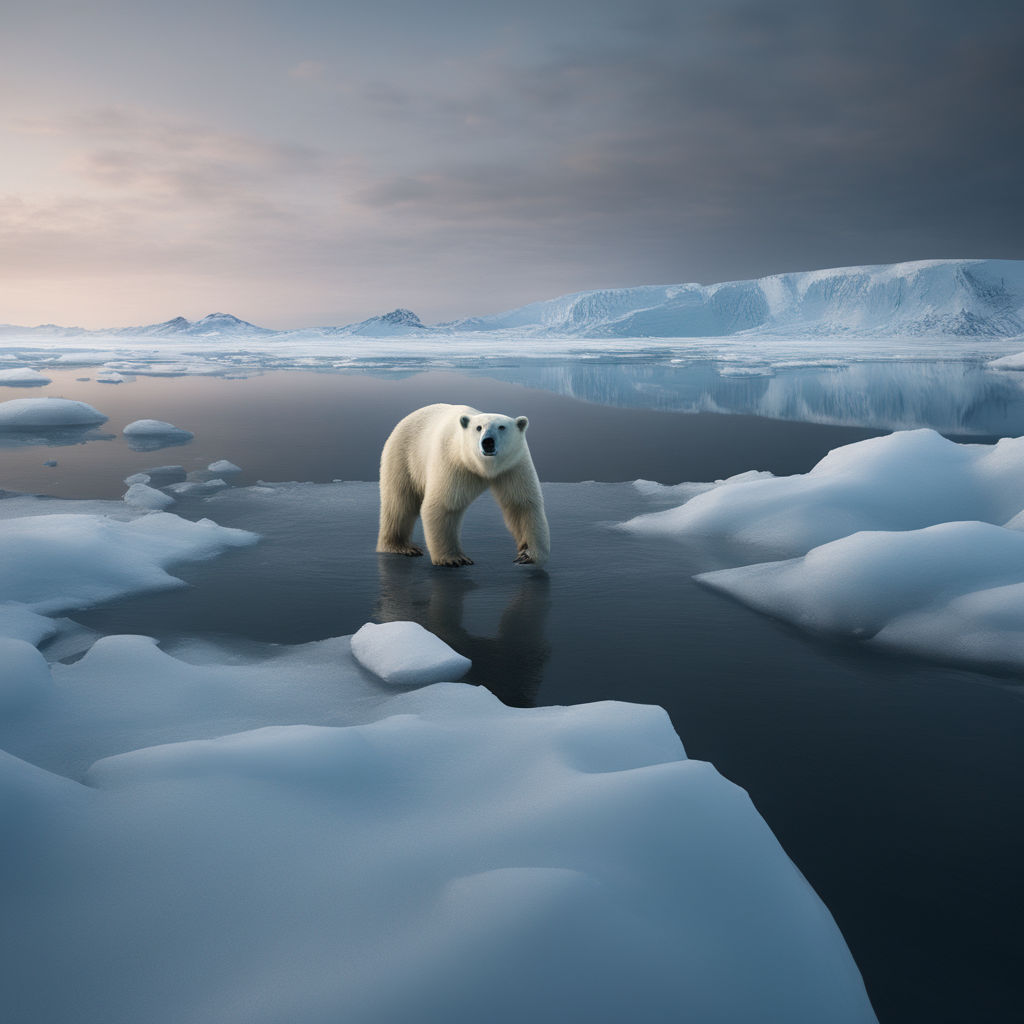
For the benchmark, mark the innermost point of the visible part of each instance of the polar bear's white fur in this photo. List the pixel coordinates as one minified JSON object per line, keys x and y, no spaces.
{"x":441,"y":458}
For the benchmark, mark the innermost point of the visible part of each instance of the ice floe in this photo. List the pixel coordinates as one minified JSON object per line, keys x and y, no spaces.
{"x":903,"y":481}
{"x":910,"y":542}
{"x":35,"y":413}
{"x":300,"y":844}
{"x":23,"y":377}
{"x":151,"y":435}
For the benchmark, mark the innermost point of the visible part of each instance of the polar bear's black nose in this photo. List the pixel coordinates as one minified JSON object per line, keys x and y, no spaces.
{"x":487,"y":446}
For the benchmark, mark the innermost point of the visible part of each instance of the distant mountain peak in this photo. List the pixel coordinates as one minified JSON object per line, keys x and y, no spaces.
{"x":406,"y":317}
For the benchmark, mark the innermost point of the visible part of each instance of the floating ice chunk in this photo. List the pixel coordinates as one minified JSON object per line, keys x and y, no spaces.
{"x":137,"y":478}
{"x":64,"y":561}
{"x":154,"y":428}
{"x":50,"y":463}
{"x":405,"y":654}
{"x":23,"y":377}
{"x":24,"y":675}
{"x":110,"y":377}
{"x":1011,"y":362}
{"x":141,"y":495}
{"x":151,"y":435}
{"x":904,"y":481}
{"x":222,"y":466}
{"x":955,"y":590}
{"x":29,"y":413}
{"x":984,"y":628}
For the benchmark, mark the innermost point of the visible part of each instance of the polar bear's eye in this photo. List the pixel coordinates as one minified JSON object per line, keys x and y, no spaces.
{"x":478,"y":429}
{"x":502,"y":427}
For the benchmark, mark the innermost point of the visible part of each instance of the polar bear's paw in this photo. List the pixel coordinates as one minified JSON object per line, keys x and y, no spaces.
{"x":400,"y":549}
{"x":453,"y":561}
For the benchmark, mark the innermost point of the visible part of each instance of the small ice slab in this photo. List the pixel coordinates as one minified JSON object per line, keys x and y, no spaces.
{"x":223,"y":466}
{"x":155,"y":429}
{"x":141,"y":495}
{"x":405,"y":654}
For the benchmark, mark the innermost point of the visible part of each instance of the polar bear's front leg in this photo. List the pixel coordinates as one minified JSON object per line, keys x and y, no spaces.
{"x":398,"y":511}
{"x":442,"y":527}
{"x":522,"y":505}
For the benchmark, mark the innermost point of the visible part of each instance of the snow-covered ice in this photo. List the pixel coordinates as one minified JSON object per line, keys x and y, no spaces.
{"x":271,"y":835}
{"x":903,"y":481}
{"x":151,"y":435}
{"x":23,"y":377}
{"x":141,"y":495}
{"x":405,"y":654}
{"x":32,"y":413}
{"x":154,"y":428}
{"x":909,"y":541}
{"x":222,"y":467}
{"x":57,"y":562}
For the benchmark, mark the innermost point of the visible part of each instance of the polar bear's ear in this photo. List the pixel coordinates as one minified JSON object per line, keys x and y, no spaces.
{"x":464,"y":420}
{"x":522,"y":423}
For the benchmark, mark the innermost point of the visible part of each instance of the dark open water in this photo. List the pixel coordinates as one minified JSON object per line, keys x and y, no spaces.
{"x":894,"y":784}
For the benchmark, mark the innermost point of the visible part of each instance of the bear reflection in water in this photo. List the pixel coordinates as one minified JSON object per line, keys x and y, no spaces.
{"x":508,"y":655}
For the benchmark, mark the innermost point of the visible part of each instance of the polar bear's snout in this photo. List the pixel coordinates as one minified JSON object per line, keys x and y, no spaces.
{"x":488,"y":445}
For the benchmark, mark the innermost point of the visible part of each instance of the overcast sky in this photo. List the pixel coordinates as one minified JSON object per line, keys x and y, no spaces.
{"x":304,"y":162}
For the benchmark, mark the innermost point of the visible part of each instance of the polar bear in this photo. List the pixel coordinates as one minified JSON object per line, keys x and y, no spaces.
{"x":441,"y":458}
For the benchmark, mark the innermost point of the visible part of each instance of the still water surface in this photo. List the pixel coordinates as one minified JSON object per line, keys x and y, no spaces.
{"x":894,"y":784}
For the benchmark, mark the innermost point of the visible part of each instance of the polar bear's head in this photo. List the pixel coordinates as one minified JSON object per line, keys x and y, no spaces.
{"x":492,"y":443}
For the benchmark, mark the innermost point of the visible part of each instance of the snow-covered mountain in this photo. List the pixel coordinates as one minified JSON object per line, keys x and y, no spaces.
{"x":926,"y":299}
{"x":957,"y":298}
{"x":214,"y":325}
{"x":401,"y":323}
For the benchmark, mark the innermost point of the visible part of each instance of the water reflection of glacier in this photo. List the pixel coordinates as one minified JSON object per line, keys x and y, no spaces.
{"x":953,"y":397}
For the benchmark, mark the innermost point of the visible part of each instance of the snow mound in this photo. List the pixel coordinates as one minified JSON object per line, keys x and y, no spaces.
{"x":23,"y":377}
{"x":405,"y":654}
{"x":26,"y":413}
{"x":903,"y":481}
{"x":222,"y":466}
